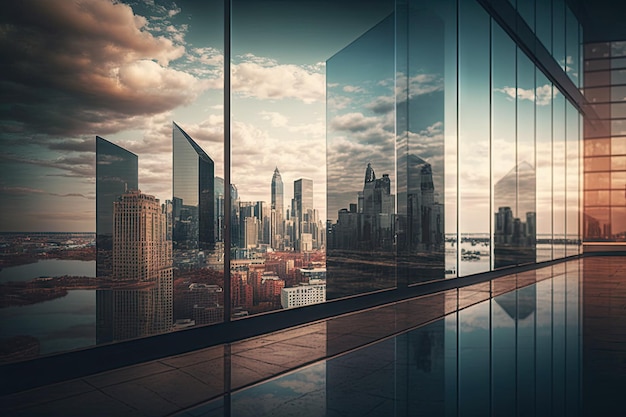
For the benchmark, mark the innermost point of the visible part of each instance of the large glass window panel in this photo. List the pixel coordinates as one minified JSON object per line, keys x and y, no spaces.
{"x":543,"y":22}
{"x":526,"y":9}
{"x":618,"y":179}
{"x":543,"y":339}
{"x":603,"y":111}
{"x":503,"y":353}
{"x":597,"y":147}
{"x":596,"y":181}
{"x":526,"y":352}
{"x":474,"y":102}
{"x":361,"y":157}
{"x":558,"y":170}
{"x":503,"y":146}
{"x":597,"y":223}
{"x":618,"y":163}
{"x":618,"y":223}
{"x":597,"y":198}
{"x":597,"y":50}
{"x":573,"y":180}
{"x":618,"y":49}
{"x":602,"y":163}
{"x":618,"y":63}
{"x":618,"y":198}
{"x":451,"y":148}
{"x":618,"y":146}
{"x":558,"y":32}
{"x":618,"y":93}
{"x":474,"y":359}
{"x":525,"y":217}
{"x":573,"y":340}
{"x":572,"y":47}
{"x":618,"y":127}
{"x":598,"y":95}
{"x":618,"y":76}
{"x":544,"y":166}
{"x":420,"y":225}
{"x":618,"y":110}
{"x":598,"y":79}
{"x":597,"y":65}
{"x":293,"y":63}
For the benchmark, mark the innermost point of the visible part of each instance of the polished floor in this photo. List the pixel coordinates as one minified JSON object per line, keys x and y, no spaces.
{"x":546,"y":342}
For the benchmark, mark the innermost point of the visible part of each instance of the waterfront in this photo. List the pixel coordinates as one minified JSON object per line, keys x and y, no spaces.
{"x":62,"y":324}
{"x":48,"y":268}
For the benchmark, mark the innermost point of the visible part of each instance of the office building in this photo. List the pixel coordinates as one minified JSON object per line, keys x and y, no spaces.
{"x":193,"y":200}
{"x":138,"y":300}
{"x":471,"y":271}
{"x":116,"y":173}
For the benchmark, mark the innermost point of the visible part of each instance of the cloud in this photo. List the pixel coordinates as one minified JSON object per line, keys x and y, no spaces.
{"x":75,"y":165}
{"x":264,"y":78}
{"x":276,"y":119}
{"x":29,"y":191}
{"x":542,"y":94}
{"x":87,"y":67}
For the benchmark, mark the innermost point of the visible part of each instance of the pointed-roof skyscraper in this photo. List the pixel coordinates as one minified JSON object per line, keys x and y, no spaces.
{"x":116,"y":173}
{"x":277,"y":208}
{"x":194,"y":194}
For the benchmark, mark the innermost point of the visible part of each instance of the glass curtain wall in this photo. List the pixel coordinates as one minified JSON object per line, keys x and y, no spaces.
{"x":605,"y":143}
{"x":374,"y":145}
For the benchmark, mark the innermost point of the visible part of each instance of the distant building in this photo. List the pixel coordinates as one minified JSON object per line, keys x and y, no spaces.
{"x":193,"y":201}
{"x":141,"y":250}
{"x":116,"y":173}
{"x":139,"y":299}
{"x":277,"y":211}
{"x":312,"y":292}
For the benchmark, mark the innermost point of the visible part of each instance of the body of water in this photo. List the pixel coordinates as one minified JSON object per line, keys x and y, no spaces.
{"x":48,"y":268}
{"x":62,"y":324}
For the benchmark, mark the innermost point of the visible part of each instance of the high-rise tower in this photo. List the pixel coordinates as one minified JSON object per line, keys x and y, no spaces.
{"x":194,"y":195}
{"x":277,"y":209}
{"x":138,"y":301}
{"x":116,"y":173}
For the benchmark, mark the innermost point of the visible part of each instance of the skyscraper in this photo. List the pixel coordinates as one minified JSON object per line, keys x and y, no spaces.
{"x":116,"y":173}
{"x":303,"y":212}
{"x":193,"y":200}
{"x":140,"y":246}
{"x":139,"y":300}
{"x":277,"y":208}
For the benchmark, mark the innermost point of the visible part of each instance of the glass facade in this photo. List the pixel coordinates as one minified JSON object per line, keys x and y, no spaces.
{"x":604,"y":148}
{"x":425,"y":140}
{"x":116,"y":173}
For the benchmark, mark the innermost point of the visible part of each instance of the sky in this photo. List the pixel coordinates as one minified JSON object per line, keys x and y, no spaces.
{"x":126,"y":70}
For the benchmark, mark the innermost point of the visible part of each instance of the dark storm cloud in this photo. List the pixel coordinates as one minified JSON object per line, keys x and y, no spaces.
{"x":30,"y":191}
{"x":83,"y":67}
{"x":81,"y":165}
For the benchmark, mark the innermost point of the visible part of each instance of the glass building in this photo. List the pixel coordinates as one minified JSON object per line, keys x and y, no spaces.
{"x":472,"y":153}
{"x":116,"y":173}
{"x":193,"y":201}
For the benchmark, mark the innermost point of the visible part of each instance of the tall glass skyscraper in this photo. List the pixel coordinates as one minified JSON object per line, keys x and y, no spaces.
{"x":116,"y":173}
{"x":277,"y":209}
{"x":193,"y":201}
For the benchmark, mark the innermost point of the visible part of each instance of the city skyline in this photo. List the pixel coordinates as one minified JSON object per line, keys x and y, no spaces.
{"x":134,"y":67}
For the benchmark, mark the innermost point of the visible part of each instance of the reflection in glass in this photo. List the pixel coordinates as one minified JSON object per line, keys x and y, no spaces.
{"x":474,"y":121}
{"x":420,"y":144}
{"x":558,"y":173}
{"x":573,"y":180}
{"x":544,"y":168}
{"x":503,"y":170}
{"x":138,"y":299}
{"x":361,"y":203}
{"x":116,"y":173}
